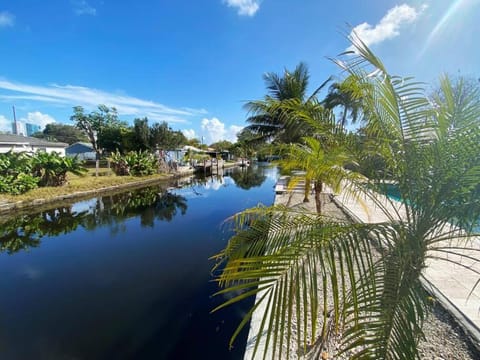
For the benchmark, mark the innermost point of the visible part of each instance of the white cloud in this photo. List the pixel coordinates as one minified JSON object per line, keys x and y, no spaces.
{"x":216,"y":131}
{"x":81,"y":7}
{"x":245,"y":7}
{"x":71,"y":95}
{"x":5,"y":124}
{"x":38,"y":118}
{"x":189,"y":133}
{"x":233,"y":132}
{"x":388,"y":27}
{"x":6,"y":19}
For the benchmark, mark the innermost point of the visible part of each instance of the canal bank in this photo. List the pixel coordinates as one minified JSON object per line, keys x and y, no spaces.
{"x":12,"y":205}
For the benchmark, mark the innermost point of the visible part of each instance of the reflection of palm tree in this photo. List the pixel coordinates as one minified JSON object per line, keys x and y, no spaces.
{"x":247,"y":177}
{"x":167,"y":205}
{"x":364,"y":281}
{"x":148,"y":203}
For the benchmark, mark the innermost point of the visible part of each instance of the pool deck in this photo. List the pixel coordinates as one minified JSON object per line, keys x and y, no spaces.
{"x":450,"y":284}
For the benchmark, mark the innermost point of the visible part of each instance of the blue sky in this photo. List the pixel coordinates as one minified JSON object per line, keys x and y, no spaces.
{"x":194,"y":63}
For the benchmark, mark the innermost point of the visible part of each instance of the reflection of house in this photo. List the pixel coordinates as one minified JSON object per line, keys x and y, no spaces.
{"x":83,"y":150}
{"x":18,"y":143}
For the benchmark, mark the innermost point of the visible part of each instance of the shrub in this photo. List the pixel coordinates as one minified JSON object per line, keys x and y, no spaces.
{"x":136,"y":163}
{"x":17,"y":185}
{"x":52,"y":168}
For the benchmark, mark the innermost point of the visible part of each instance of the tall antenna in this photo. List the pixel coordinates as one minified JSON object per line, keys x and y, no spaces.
{"x":14,"y":121}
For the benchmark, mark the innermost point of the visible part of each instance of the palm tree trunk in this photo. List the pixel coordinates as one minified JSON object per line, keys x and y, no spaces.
{"x":306,"y":192}
{"x":318,"y":186}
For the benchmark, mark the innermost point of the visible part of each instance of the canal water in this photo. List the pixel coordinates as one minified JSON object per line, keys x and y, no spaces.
{"x":126,"y":275}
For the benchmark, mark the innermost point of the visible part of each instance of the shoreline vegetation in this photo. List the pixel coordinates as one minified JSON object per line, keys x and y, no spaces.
{"x":85,"y":186}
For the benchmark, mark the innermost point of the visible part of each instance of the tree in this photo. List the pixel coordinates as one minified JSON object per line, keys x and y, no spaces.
{"x":163,"y":137}
{"x":348,"y":95}
{"x":117,"y":138}
{"x":141,"y":134}
{"x":222,"y":145}
{"x":266,"y":120}
{"x":363,"y":281}
{"x":63,"y":133}
{"x":460,"y":93}
{"x":322,"y":166}
{"x":95,"y":123}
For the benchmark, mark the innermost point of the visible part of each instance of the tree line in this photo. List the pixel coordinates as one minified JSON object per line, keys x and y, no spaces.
{"x":104,"y":130}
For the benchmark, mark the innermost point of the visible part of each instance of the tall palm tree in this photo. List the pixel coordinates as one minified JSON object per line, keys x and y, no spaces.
{"x":346,"y":94}
{"x":266,"y":119}
{"x":362,"y":282}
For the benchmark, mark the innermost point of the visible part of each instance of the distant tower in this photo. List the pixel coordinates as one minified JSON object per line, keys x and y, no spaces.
{"x":14,"y":121}
{"x":17,"y":127}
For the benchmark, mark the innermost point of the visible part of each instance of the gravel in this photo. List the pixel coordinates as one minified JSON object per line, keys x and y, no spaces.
{"x":444,"y":338}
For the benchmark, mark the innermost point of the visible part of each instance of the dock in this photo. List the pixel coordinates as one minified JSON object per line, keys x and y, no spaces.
{"x":209,"y":166}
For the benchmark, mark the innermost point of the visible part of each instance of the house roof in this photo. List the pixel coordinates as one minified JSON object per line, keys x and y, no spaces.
{"x":81,"y":145}
{"x":10,"y":139}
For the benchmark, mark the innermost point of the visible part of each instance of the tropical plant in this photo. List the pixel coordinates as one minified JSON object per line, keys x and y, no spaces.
{"x":322,"y":156}
{"x":19,"y":184}
{"x":348,"y":95}
{"x":52,"y":169}
{"x":315,"y":279}
{"x":267,"y":120}
{"x":136,"y":163}
{"x":14,"y":173}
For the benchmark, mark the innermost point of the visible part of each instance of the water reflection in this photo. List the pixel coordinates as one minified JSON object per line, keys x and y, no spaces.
{"x":247,"y":177}
{"x":133,"y":266}
{"x":153,"y":203}
{"x":25,"y":231}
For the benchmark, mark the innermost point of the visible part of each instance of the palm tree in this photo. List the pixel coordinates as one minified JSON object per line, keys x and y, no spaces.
{"x":348,"y":95}
{"x":323,"y":155}
{"x":266,"y":120}
{"x":315,"y":279}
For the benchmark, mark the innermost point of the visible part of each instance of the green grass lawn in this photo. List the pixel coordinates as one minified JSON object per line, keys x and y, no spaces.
{"x":76,"y":183}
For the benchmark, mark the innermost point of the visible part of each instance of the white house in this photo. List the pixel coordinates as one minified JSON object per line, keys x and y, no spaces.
{"x":18,"y":143}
